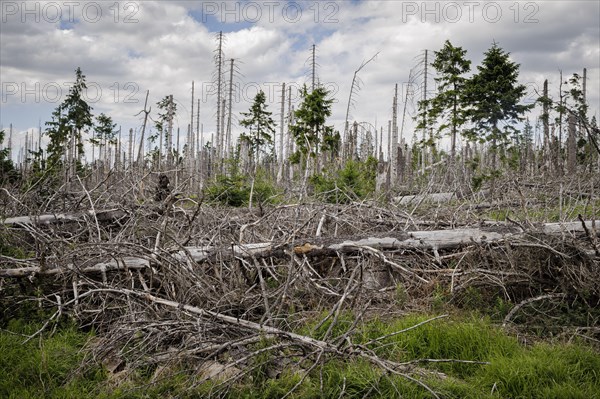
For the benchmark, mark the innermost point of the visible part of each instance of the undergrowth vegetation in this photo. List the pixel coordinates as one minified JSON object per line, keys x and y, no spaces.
{"x":235,"y":190}
{"x":354,"y":182}
{"x":50,"y":365}
{"x":554,"y":210}
{"x":45,"y":367}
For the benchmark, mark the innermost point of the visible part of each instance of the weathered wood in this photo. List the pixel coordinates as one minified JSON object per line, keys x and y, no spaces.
{"x":102,"y":215}
{"x":434,"y":197}
{"x":102,"y":267}
{"x":433,"y":240}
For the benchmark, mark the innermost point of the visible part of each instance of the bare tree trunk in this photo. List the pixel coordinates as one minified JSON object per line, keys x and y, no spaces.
{"x":313,"y":65}
{"x":219,"y":60}
{"x":230,"y":102}
{"x":171,"y":115}
{"x":394,"y":143}
{"x":199,"y":146}
{"x":572,"y":147}
{"x":130,"y":149}
{"x":280,"y":158}
{"x":416,"y":240}
{"x":289,"y":144}
{"x":546,"y":121}
{"x":10,"y":141}
{"x":354,"y":87}
{"x":140,"y":156}
{"x":424,"y":149}
{"x":558,"y":153}
{"x":118,"y":152}
{"x":380,"y":144}
{"x":160,"y":148}
{"x":191,"y":141}
{"x":354,"y":140}
{"x":225,"y":150}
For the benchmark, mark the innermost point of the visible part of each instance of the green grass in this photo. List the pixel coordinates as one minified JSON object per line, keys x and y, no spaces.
{"x":540,"y":371}
{"x":49,"y":366}
{"x":545,"y":371}
{"x":466,"y":339}
{"x":548,"y":213}
{"x":44,"y":367}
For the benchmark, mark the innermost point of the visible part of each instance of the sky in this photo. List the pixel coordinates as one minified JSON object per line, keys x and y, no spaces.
{"x":129,"y":48}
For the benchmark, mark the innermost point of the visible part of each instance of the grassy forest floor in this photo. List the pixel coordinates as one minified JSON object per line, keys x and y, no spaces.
{"x":515,"y":366}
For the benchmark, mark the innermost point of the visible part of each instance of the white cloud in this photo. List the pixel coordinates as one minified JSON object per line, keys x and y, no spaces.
{"x":164,"y":45}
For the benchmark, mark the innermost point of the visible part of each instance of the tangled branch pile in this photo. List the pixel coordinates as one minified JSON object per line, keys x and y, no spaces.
{"x":215,"y":288}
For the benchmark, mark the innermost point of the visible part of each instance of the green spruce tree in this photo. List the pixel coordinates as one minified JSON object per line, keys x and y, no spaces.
{"x":494,"y":96}
{"x":69,"y":120}
{"x":575,"y":104}
{"x":310,"y":131}
{"x":261,"y":128}
{"x":105,"y":133}
{"x":163,"y":125}
{"x":449,"y":103}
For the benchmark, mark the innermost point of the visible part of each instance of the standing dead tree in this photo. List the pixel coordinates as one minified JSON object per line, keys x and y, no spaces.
{"x":354,"y":89}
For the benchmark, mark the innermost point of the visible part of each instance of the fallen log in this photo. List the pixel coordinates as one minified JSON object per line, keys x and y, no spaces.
{"x":102,"y":267}
{"x":422,"y":240}
{"x":434,"y":198}
{"x":101,"y":215}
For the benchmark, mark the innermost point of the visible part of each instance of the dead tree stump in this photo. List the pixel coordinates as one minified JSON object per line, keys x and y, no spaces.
{"x":162,"y":189}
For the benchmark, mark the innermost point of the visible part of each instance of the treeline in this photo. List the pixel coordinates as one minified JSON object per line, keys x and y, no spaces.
{"x":487,"y":108}
{"x":481,"y":113}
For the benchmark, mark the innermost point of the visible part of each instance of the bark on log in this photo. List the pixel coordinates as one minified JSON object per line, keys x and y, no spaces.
{"x":434,"y":198}
{"x":435,"y":240}
{"x":103,"y":215}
